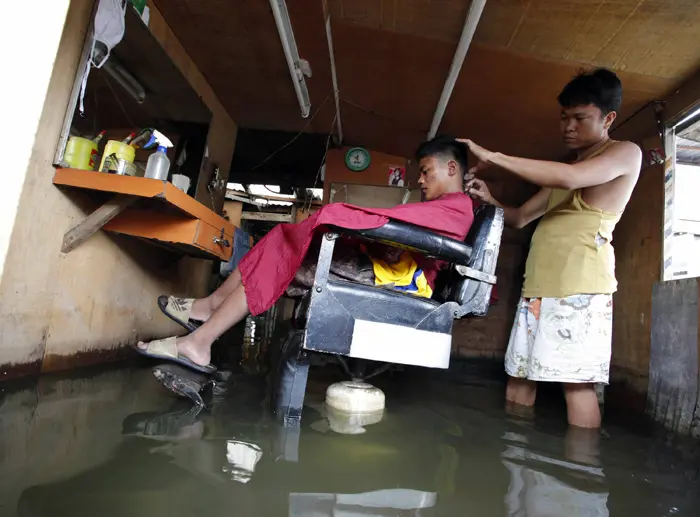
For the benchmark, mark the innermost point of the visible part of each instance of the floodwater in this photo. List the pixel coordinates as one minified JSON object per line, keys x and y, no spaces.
{"x":116,"y":443}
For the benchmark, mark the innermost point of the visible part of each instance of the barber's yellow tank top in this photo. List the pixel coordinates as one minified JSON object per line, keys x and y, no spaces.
{"x":571,"y":251}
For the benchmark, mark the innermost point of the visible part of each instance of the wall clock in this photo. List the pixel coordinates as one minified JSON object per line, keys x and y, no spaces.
{"x":357,"y":159}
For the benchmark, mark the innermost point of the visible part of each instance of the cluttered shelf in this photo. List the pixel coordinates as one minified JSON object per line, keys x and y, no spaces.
{"x":150,"y":209}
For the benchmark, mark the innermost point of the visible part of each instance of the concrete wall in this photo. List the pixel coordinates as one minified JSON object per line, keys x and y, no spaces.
{"x":57,"y":310}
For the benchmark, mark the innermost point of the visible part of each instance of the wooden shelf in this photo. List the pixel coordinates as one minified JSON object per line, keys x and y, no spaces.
{"x":150,"y":209}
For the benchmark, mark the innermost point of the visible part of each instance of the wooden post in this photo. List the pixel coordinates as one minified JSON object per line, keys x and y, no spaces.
{"x":673,"y":365}
{"x":96,"y":220}
{"x":274,"y":217}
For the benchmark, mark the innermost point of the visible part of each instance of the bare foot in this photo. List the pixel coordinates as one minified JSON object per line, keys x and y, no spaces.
{"x":197,"y":353}
{"x":187,"y":347}
{"x":201,"y":310}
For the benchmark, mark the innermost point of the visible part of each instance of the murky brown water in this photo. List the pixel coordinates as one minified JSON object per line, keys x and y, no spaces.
{"x":116,"y":443}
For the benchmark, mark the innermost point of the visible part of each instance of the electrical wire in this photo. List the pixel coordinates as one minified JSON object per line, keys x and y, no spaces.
{"x":325,"y":153}
{"x":94,"y":118}
{"x":309,"y":197}
{"x":268,"y":188}
{"x":294,"y":139}
{"x":637,"y":112}
{"x":382,"y":115}
{"x":128,"y":119}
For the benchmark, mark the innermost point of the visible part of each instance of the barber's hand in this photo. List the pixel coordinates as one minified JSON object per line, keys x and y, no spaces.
{"x":477,"y":189}
{"x":482,"y":155}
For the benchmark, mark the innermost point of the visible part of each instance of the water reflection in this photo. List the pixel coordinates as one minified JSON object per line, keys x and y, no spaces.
{"x":116,"y":443}
{"x":368,"y":504}
{"x":544,"y":486}
{"x":342,"y":422}
{"x":242,"y":458}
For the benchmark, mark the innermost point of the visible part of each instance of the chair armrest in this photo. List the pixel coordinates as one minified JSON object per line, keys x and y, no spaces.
{"x":415,"y":238}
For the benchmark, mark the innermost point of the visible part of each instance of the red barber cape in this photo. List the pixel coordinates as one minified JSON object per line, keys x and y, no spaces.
{"x":268,"y":268}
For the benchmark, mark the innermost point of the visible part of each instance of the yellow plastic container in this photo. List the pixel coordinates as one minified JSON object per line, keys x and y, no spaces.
{"x":81,"y":153}
{"x":123,"y":152}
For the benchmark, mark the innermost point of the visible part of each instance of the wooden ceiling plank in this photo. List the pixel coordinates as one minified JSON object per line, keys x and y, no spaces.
{"x":521,"y":21}
{"x":393,"y":55}
{"x":586,"y":28}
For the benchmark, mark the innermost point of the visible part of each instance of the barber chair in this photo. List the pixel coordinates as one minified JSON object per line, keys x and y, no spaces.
{"x":349,"y":320}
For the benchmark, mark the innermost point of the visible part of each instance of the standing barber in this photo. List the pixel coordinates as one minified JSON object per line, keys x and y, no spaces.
{"x":563,"y":326}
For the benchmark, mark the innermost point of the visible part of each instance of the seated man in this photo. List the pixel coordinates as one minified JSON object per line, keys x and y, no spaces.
{"x":272,"y":267}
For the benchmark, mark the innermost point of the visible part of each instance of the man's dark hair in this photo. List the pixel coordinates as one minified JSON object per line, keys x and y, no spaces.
{"x":447,"y":148}
{"x":599,"y":87}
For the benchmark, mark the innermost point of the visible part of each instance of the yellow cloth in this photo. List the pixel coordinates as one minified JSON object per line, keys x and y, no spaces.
{"x":403,"y":274}
{"x":571,"y":251}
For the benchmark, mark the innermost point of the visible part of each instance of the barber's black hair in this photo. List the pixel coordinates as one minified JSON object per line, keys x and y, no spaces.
{"x":600,"y":87}
{"x":446,"y":147}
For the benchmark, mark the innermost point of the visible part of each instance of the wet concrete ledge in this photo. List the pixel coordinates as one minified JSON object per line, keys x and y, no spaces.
{"x":63,"y":363}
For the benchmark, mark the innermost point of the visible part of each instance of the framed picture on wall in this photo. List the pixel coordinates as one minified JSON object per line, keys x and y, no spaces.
{"x":397,"y":176}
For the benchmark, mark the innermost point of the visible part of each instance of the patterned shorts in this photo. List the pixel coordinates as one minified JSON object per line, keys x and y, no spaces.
{"x":562,"y":339}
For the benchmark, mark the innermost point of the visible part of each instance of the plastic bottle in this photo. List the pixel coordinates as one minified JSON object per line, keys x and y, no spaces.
{"x":81,"y":153}
{"x":158,"y":164}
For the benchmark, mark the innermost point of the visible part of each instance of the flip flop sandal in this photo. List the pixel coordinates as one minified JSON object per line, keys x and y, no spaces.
{"x":178,"y":310}
{"x":166,"y":349}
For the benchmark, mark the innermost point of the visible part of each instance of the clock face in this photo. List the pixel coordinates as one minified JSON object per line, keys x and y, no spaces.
{"x":357,"y":159}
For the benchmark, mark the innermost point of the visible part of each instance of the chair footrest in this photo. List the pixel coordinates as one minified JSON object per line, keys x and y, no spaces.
{"x":469,"y":272}
{"x":403,"y":345}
